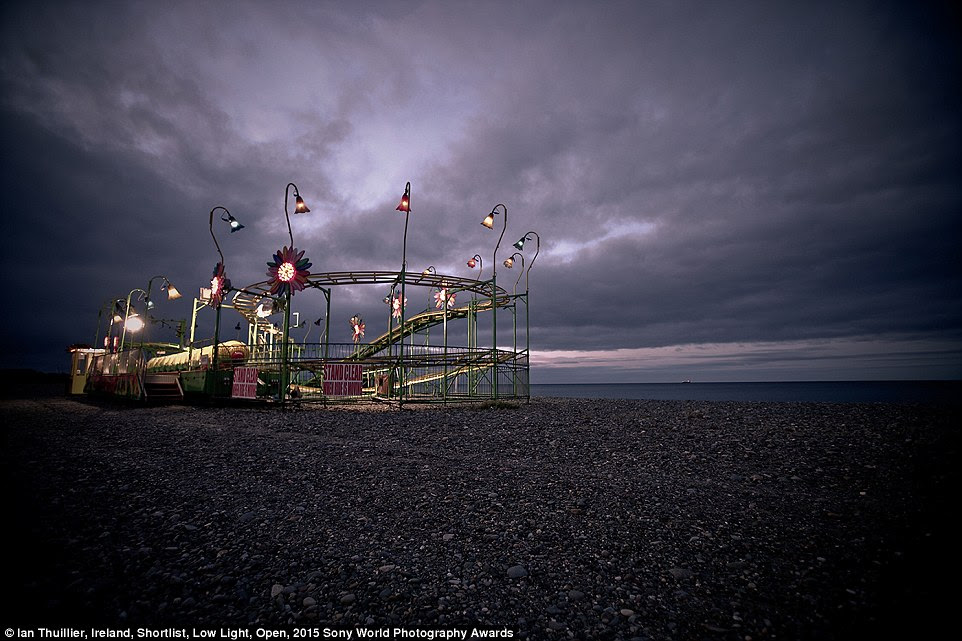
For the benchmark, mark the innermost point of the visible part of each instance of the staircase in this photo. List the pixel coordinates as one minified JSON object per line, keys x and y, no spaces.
{"x":163,"y":388}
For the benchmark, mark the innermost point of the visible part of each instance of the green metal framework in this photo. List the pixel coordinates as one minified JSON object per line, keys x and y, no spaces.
{"x":400,"y":365}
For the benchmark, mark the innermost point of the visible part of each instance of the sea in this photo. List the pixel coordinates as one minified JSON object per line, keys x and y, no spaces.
{"x":937,"y":392}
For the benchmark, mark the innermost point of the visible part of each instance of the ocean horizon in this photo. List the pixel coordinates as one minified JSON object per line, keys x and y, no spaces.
{"x":941,"y":392}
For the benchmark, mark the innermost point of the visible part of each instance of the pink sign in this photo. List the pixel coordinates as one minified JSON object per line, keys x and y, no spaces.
{"x":245,"y":383}
{"x":343,"y":379}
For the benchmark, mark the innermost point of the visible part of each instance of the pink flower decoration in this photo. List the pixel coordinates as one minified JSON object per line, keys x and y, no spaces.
{"x":357,"y":323}
{"x":219,"y":284}
{"x":441,"y":295}
{"x":396,"y":306}
{"x":288,"y":271}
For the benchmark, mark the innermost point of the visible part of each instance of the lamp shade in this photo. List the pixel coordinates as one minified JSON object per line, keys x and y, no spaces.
{"x":230,"y":220}
{"x":405,"y":204}
{"x":300,"y":207}
{"x":488,"y":221}
{"x":172,"y":293}
{"x":520,"y":244}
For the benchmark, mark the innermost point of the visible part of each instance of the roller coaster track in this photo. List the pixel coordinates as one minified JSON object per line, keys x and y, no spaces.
{"x":422,"y":321}
{"x":477,"y":363}
{"x":246,"y":299}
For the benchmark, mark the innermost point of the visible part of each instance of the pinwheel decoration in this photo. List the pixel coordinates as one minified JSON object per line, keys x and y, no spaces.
{"x":396,"y":306}
{"x":357,"y":324}
{"x":288,"y":272}
{"x":219,"y":284}
{"x":442,"y":296}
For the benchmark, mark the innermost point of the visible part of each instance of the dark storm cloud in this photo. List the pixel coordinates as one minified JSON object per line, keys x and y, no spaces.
{"x":700,"y":174}
{"x":789,"y":197}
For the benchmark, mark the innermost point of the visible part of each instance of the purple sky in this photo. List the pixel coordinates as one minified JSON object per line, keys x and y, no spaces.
{"x":724,"y":191}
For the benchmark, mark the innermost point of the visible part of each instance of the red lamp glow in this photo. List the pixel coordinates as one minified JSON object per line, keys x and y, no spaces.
{"x":405,"y":204}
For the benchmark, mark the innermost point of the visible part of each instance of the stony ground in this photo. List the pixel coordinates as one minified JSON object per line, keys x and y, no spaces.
{"x":557,"y":519}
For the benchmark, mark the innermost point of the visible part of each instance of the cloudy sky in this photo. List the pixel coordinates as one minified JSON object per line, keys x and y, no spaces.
{"x":723,"y":190}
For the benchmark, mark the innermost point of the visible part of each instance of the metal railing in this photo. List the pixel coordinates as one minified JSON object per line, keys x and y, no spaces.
{"x":429,"y":373}
{"x":343,"y":372}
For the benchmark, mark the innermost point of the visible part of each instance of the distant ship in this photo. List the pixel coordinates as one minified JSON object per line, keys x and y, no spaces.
{"x":687,"y":381}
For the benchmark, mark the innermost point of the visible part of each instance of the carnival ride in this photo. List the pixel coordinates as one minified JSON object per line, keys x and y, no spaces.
{"x":399,"y":365}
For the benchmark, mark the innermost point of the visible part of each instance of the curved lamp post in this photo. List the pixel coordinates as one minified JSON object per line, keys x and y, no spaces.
{"x":219,"y":285}
{"x":527,"y":309}
{"x":405,"y":206}
{"x":316,"y":323}
{"x":489,"y":223}
{"x":129,"y":323}
{"x":520,"y":247}
{"x":113,"y":307}
{"x":476,"y":261}
{"x":300,"y":207}
{"x":172,"y":294}
{"x":509,"y":263}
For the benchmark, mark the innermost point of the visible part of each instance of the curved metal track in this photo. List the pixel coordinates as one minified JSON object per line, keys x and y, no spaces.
{"x":424,"y":320}
{"x":246,"y":300}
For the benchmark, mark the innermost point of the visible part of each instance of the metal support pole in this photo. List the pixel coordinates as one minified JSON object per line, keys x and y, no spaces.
{"x":404,"y":266}
{"x":285,"y":372}
{"x":527,"y":345}
{"x":123,"y":335}
{"x":212,"y":374}
{"x":143,"y":335}
{"x":444,"y":385}
{"x":494,"y":288}
{"x":109,"y":308}
{"x":327,"y":323}
{"x":514,"y":345}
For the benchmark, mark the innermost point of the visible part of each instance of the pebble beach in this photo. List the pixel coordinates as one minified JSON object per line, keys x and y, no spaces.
{"x":555,"y":519}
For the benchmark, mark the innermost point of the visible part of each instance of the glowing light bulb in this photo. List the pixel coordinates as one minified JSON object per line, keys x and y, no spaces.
{"x":285,"y":272}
